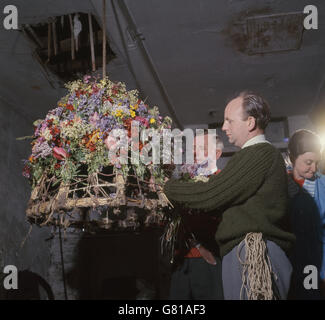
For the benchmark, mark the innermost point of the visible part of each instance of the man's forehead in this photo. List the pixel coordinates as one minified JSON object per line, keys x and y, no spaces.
{"x":234,"y":107}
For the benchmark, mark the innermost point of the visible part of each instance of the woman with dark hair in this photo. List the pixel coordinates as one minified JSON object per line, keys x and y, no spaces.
{"x":307,"y":212}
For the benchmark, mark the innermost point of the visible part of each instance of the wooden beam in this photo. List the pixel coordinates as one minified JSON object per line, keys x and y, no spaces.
{"x":55,"y":42}
{"x":73,"y":56}
{"x":34,"y":35}
{"x":104,"y":38}
{"x":92,"y":49}
{"x":49,"y":40}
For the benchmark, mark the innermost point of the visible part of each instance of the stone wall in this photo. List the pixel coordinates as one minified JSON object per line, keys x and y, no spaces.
{"x":34,"y":255}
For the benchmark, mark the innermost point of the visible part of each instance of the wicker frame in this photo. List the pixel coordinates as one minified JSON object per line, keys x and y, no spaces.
{"x":61,"y":206}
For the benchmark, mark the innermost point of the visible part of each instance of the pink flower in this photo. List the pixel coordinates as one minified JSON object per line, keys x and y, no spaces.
{"x":86,"y":78}
{"x":94,"y":118}
{"x":77,"y":119}
{"x":110,"y":142}
{"x":59,"y":153}
{"x":143,"y":121}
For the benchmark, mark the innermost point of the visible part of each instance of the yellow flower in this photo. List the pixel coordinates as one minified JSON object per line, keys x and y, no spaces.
{"x":132,"y":114}
{"x":152,"y":120}
{"x":136,"y":107}
{"x":118,"y":113}
{"x":103,"y":82}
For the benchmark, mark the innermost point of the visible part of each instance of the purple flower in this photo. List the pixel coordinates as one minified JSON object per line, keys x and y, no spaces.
{"x":142,"y":110}
{"x":41,"y":149}
{"x":71,"y":115}
{"x":94,"y":119}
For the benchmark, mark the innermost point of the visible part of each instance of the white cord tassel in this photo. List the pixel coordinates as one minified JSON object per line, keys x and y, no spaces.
{"x":257,"y":270}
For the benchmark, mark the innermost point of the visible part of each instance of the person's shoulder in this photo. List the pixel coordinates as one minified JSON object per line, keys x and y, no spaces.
{"x":261,"y":153}
{"x":321,"y":177}
{"x":261,"y":148}
{"x":293,"y":187}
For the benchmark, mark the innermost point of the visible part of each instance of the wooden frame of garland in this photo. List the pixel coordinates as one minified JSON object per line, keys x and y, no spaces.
{"x":60,"y":206}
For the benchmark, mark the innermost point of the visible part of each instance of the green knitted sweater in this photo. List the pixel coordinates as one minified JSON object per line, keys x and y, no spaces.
{"x":250,"y":192}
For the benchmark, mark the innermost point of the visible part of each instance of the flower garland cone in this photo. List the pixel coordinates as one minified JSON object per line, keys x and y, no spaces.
{"x":75,"y":168}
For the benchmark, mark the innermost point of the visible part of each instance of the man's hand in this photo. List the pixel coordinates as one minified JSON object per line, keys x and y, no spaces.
{"x":207,"y":255}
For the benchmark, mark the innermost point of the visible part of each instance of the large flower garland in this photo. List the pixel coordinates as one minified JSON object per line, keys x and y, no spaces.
{"x":71,"y":169}
{"x":74,"y":133}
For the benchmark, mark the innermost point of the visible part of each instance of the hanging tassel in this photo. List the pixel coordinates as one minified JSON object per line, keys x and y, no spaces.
{"x":257,"y":270}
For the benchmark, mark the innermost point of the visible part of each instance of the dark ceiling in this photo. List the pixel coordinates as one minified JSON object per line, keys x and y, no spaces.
{"x":186,"y":56}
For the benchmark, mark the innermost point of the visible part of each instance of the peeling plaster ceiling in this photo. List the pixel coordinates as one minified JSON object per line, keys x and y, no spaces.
{"x":186,"y":56}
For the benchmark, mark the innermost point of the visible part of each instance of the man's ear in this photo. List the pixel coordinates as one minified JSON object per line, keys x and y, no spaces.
{"x":251,"y":122}
{"x":218,"y":154}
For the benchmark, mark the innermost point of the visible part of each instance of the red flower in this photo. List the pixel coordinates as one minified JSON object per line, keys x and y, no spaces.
{"x":55,"y":131}
{"x":57,"y":166}
{"x":26,"y":171}
{"x":92,"y":147}
{"x":69,"y":107}
{"x":59,"y":153}
{"x":95,"y":90}
{"x":127,"y":126}
{"x":80,"y":92}
{"x":108,"y":99}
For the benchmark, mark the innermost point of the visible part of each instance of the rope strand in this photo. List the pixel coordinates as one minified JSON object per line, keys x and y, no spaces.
{"x":256,"y":269}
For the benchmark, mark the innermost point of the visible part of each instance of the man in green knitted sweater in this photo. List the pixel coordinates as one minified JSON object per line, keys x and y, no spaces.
{"x":251,"y":195}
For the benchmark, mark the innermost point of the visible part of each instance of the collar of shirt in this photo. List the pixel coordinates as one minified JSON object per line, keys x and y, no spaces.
{"x":257,"y":139}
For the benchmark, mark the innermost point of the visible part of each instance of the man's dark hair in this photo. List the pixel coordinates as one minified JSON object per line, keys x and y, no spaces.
{"x":303,"y":141}
{"x":255,"y":106}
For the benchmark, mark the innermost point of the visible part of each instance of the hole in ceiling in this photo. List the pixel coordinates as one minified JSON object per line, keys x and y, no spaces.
{"x":63,"y":45}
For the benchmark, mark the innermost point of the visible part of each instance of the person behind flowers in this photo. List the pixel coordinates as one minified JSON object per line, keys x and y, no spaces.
{"x":251,"y":194}
{"x":307,"y":210}
{"x":197,"y":265}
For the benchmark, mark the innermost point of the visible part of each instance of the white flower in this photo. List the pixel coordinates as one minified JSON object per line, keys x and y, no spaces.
{"x":47,"y":134}
{"x":201,"y":178}
{"x":107,"y":105}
